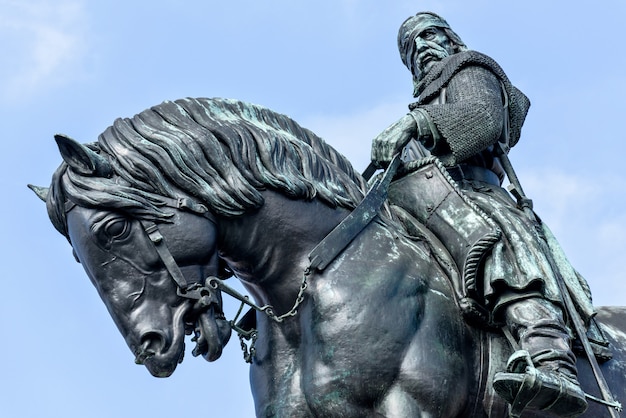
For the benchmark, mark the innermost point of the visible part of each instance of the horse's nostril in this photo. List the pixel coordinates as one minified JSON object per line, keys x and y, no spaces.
{"x":151,"y":343}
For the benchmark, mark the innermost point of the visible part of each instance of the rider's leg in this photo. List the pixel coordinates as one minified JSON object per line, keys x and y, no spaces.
{"x":550,"y":380}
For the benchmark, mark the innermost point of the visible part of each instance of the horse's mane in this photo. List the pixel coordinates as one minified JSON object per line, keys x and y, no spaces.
{"x":222,"y":152}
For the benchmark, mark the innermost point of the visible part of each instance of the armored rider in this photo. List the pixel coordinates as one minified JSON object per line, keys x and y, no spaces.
{"x":465,"y":106}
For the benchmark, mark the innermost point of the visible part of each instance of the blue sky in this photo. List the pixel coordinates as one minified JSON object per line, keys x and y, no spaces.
{"x":73,"y":66}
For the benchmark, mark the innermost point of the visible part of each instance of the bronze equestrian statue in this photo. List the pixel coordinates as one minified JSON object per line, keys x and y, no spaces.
{"x":362,"y":305}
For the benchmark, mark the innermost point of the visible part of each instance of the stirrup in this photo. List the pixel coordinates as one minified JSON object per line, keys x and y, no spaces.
{"x":524,"y":386}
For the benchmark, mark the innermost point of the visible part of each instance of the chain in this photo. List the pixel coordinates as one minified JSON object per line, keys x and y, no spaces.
{"x":269,"y":310}
{"x":248,"y":353}
{"x":251,"y":335}
{"x":216,"y":283}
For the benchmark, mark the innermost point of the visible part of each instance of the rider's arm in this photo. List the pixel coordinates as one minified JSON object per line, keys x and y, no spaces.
{"x":469,"y":121}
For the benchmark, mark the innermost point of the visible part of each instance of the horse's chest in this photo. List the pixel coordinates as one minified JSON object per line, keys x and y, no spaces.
{"x":357,"y":339}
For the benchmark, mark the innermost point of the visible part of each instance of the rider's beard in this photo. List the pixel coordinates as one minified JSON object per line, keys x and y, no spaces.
{"x":428,"y":56}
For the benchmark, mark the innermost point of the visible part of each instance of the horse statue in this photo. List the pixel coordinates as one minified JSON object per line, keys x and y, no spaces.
{"x":170,"y":203}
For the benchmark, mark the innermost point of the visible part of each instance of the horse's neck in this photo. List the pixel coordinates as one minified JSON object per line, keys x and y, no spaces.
{"x":268,"y":249}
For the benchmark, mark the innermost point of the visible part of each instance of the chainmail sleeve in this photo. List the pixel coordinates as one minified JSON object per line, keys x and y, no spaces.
{"x":472,"y":117}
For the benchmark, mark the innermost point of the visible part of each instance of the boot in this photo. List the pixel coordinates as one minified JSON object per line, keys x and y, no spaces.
{"x":542,"y":375}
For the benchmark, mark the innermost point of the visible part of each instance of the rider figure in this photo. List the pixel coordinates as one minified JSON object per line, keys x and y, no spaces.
{"x":466,"y":105}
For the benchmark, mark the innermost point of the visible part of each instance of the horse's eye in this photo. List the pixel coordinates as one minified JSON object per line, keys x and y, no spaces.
{"x":117,"y":229}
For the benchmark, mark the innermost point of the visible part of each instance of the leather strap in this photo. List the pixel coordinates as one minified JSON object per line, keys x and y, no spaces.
{"x":200,"y":292}
{"x":159,"y":245}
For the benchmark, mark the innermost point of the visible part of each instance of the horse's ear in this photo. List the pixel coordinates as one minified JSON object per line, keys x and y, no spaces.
{"x":41,"y":192}
{"x":82,"y":159}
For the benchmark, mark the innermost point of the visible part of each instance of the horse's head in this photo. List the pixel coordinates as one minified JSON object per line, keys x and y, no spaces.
{"x":139,"y":208}
{"x":150,"y":273}
{"x":151,"y":309}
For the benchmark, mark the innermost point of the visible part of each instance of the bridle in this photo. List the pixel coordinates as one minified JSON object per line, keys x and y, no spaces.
{"x":193,"y":291}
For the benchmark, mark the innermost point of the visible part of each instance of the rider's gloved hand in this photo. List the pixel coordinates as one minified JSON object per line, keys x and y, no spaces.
{"x":390,"y":141}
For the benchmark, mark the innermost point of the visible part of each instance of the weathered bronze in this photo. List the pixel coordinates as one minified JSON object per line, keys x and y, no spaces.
{"x":363,"y":305}
{"x":190,"y":190}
